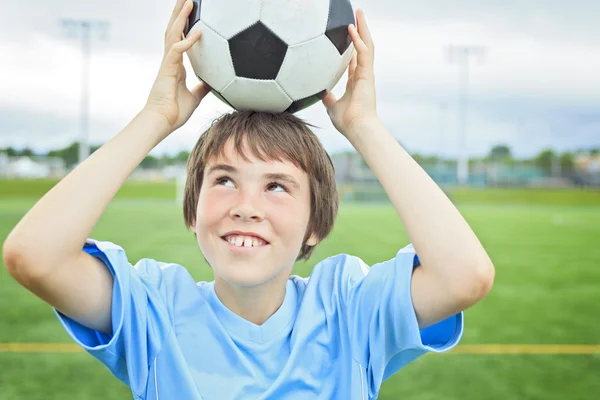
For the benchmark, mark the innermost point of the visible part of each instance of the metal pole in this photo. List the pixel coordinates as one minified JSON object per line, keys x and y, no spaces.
{"x":84,"y":29}
{"x":84,"y":143}
{"x":442,"y":140}
{"x":463,"y":155}
{"x":461,"y":55}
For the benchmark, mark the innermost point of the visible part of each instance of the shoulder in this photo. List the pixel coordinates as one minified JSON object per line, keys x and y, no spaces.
{"x":337,"y":273}
{"x":348,"y":270}
{"x":148,"y":271}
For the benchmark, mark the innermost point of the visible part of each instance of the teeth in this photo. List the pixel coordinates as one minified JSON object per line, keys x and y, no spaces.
{"x":244,"y":241}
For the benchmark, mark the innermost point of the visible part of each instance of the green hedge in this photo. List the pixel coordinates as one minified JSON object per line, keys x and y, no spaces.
{"x":131,"y":189}
{"x":526,"y":196}
{"x":167,"y":190}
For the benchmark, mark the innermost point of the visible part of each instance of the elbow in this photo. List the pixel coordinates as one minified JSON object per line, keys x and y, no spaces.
{"x":12,"y":258}
{"x":17,"y":264}
{"x":484,"y":280}
{"x":477,"y":286}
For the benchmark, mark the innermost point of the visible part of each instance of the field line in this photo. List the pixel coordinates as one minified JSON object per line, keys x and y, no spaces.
{"x":526,"y":349}
{"x":39,"y":348}
{"x":484,"y":349}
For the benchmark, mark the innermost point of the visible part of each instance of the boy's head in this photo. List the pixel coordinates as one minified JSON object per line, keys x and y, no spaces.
{"x":256,"y":175}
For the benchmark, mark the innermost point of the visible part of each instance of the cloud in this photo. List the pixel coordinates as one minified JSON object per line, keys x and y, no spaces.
{"x":538,"y":81}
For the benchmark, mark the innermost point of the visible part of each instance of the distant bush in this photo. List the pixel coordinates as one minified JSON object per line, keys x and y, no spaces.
{"x":131,"y":189}
{"x":526,"y":196}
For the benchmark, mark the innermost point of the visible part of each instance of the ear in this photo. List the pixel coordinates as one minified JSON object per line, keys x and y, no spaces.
{"x":312,"y":241}
{"x":193,"y":226}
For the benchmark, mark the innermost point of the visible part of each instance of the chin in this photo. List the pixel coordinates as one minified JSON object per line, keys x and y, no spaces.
{"x":247,"y":276}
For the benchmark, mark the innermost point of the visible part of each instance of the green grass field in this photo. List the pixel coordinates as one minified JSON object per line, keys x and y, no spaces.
{"x":545,"y":246}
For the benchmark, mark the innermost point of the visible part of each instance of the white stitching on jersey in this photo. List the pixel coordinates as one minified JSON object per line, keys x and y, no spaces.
{"x":363,"y":266}
{"x":155,"y":381}
{"x":362,"y":383}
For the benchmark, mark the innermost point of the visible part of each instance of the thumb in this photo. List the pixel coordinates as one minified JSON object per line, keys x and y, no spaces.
{"x":329,"y":100}
{"x":200,"y":91}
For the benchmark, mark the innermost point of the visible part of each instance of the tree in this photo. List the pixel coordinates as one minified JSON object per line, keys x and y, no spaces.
{"x":182,"y":157}
{"x":567,"y":162}
{"x":27,"y":152}
{"x":545,"y":160}
{"x":70,"y":154}
{"x":500,"y":153}
{"x":12,"y":152}
{"x":150,"y":162}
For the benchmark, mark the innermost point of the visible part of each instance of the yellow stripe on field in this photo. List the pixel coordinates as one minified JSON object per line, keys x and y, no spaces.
{"x":485,"y":349}
{"x":39,"y":348}
{"x":526,"y":349}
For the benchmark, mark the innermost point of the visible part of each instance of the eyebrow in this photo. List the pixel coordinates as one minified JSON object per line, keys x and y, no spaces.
{"x":270,"y":176}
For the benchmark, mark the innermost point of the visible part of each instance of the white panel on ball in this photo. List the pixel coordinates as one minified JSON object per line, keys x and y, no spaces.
{"x":210,"y":58}
{"x":229,"y":17}
{"x":257,"y":95}
{"x":295,"y":21}
{"x":346,"y":57}
{"x":308,"y":68}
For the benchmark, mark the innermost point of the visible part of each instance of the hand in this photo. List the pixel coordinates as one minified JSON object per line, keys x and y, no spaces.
{"x":358,"y":102}
{"x":169,"y":97}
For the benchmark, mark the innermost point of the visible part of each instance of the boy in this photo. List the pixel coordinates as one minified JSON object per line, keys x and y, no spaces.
{"x":260,"y":194}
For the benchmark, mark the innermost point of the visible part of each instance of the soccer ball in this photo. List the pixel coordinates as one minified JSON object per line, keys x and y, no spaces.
{"x":271,"y":55}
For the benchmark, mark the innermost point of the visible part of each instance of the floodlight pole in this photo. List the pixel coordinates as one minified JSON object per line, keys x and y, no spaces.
{"x":461,"y":56}
{"x":442,"y":134}
{"x":84,"y":29}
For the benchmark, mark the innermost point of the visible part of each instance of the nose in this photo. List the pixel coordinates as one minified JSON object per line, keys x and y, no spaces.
{"x":248,"y":208}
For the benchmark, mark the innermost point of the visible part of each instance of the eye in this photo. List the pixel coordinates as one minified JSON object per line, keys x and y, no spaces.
{"x":223,"y":180}
{"x":275,"y":185}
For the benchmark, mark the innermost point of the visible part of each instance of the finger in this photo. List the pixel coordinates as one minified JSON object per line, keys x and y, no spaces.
{"x":200,"y":91}
{"x":184,"y":45}
{"x":363,"y":28}
{"x":365,"y":61}
{"x":178,"y":6}
{"x":359,"y":45}
{"x":364,"y":57}
{"x":176,"y":32}
{"x":352,"y":66}
{"x":329,"y":100}
{"x":351,"y":71}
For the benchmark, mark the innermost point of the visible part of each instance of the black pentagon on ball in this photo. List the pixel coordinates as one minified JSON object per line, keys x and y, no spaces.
{"x":341,"y":15}
{"x":301,"y":104}
{"x":257,"y":53}
{"x":193,"y":17}
{"x":217,"y":94}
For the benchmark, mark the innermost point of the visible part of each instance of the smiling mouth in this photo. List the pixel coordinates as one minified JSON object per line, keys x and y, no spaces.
{"x":242,"y":241}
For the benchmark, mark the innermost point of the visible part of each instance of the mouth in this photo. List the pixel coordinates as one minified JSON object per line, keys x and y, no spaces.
{"x":244,"y":241}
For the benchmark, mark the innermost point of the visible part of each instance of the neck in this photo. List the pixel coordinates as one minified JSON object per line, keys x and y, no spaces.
{"x":254,"y":303}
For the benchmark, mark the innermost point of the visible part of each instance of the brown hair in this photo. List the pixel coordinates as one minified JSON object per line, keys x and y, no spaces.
{"x":269,"y":136}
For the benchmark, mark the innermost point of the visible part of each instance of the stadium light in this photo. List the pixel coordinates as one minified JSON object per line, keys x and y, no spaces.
{"x":461,"y":56}
{"x":84,"y":30}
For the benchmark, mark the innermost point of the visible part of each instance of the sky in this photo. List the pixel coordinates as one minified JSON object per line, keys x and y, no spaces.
{"x":536,"y":86}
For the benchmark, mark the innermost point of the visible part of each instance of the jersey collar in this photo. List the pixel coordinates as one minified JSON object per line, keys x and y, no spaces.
{"x":241,"y":328}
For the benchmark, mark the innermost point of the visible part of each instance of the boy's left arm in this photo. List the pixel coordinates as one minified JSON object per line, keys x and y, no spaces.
{"x":455,"y":271}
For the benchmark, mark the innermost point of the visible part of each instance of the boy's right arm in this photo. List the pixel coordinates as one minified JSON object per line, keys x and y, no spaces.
{"x":44,"y":250}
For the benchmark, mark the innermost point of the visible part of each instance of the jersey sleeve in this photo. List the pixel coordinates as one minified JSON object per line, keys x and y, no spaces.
{"x":384,"y":331}
{"x":141,"y":319}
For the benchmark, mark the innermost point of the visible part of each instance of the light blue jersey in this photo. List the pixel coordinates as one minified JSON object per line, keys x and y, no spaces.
{"x":338,"y":334}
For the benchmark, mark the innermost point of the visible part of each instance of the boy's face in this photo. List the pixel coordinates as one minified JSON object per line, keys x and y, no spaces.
{"x":252,"y":217}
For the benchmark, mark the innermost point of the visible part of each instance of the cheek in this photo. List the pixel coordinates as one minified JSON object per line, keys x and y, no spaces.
{"x":211,"y":207}
{"x":288,"y":216}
